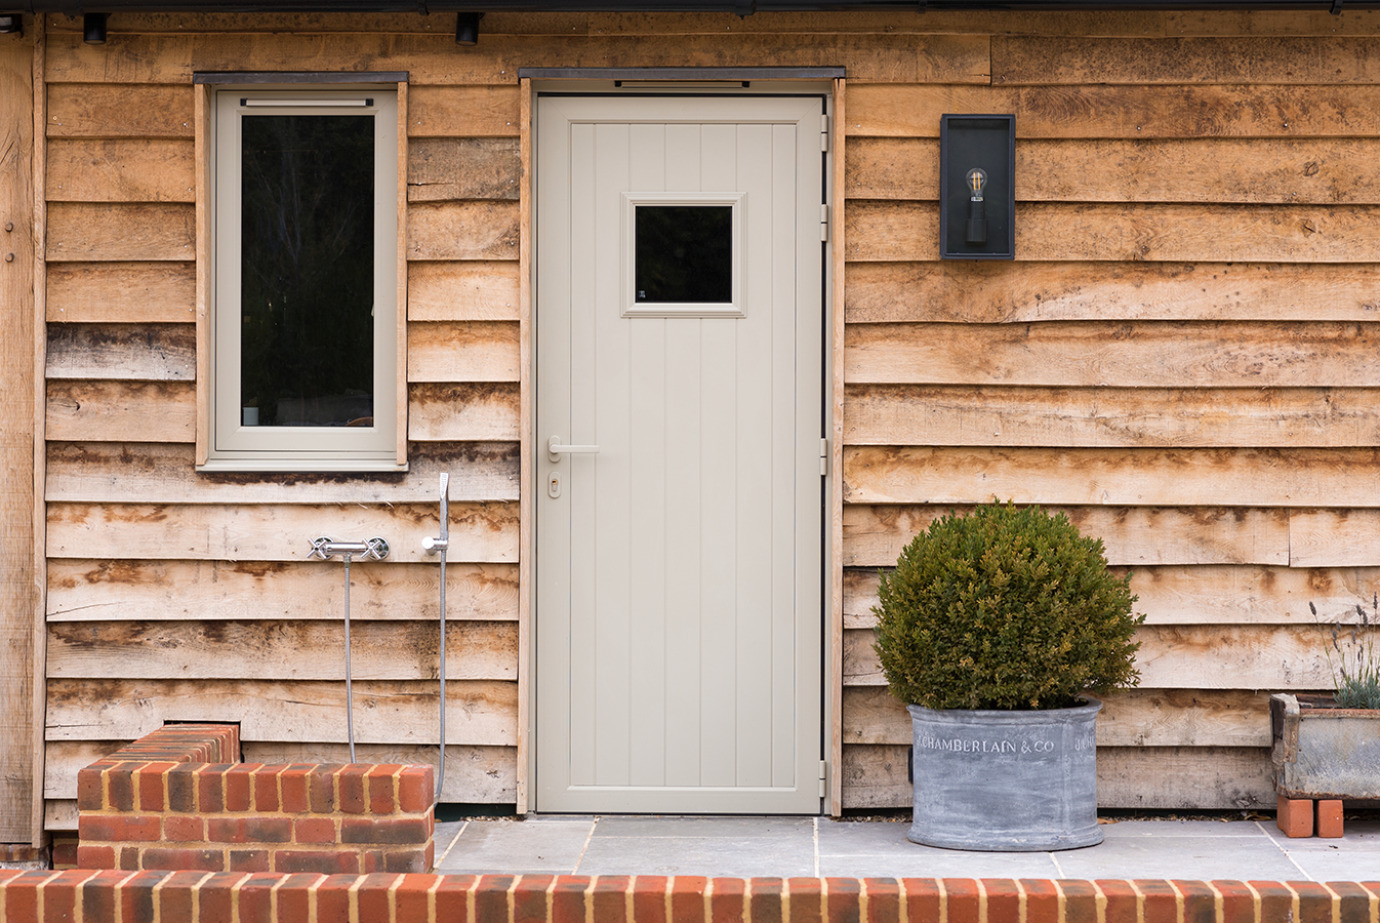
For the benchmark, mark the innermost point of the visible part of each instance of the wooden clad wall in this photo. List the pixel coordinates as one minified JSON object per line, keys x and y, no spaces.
{"x":175,"y":595}
{"x":1181,"y":357}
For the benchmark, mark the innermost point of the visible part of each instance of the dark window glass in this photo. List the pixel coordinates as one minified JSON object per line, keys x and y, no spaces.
{"x":684,"y":254}
{"x":307,"y":270}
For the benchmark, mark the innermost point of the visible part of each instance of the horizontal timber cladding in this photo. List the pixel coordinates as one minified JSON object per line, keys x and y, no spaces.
{"x":1203,"y":595}
{"x":1256,"y":171}
{"x":1181,"y":357}
{"x":175,"y":595}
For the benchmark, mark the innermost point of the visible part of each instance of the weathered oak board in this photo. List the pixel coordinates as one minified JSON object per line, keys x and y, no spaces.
{"x":92,"y":231}
{"x":462,"y":231}
{"x":1127,"y":777}
{"x":463,"y":111}
{"x":479,"y":532}
{"x":1258,"y":171}
{"x":269,"y":649}
{"x":453,"y":169}
{"x":386,"y":712}
{"x":1180,"y":657}
{"x":131,"y":293}
{"x":468,"y":411}
{"x":164,"y":473}
{"x":897,"y":231}
{"x":124,"y":170}
{"x":1197,"y":110}
{"x":1334,"y":538}
{"x":1000,"y":292}
{"x":874,"y":535}
{"x":1144,"y":61}
{"x":1119,"y":477}
{"x":463,"y":351}
{"x":1133,"y":718}
{"x":949,"y":415}
{"x":462,"y":291}
{"x":432,"y":59}
{"x":92,"y":590}
{"x":127,"y":352}
{"x":115,"y":110}
{"x":1207,"y":594}
{"x":114,"y":411}
{"x":1144,"y":354}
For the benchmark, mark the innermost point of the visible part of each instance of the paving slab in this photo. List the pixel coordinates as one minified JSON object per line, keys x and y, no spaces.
{"x":726,"y":856}
{"x":1194,"y":858}
{"x":529,"y":846}
{"x":916,"y":861}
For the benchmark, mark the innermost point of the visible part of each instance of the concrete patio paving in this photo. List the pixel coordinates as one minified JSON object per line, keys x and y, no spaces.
{"x":1242,"y":850}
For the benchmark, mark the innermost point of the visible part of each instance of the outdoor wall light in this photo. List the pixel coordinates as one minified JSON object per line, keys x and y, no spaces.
{"x":11,"y":24}
{"x":976,"y":181}
{"x":977,"y":196}
{"x":93,"y":28}
{"x":467,"y":28}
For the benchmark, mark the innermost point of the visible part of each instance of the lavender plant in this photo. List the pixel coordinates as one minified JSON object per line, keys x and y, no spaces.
{"x":1352,"y":658}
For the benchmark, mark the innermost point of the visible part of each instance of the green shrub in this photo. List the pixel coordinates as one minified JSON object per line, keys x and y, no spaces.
{"x":1005,"y":608}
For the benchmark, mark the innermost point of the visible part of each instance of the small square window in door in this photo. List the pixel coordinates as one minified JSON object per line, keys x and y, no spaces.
{"x":683,"y":255}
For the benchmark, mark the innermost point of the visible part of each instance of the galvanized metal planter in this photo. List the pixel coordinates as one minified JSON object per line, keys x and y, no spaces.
{"x":1322,"y":751}
{"x":1006,"y":780}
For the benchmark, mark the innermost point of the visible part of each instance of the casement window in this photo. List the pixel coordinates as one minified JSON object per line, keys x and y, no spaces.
{"x":303,"y":327}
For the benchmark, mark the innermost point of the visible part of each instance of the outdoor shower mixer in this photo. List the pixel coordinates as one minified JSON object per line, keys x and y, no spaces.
{"x":371,"y":549}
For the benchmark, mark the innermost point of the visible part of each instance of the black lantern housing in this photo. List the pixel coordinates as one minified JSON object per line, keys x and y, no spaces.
{"x":467,"y":28}
{"x":93,"y":28}
{"x":977,"y":187}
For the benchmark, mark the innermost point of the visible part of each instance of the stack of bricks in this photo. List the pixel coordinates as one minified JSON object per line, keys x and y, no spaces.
{"x":176,"y":799}
{"x":1296,"y":817}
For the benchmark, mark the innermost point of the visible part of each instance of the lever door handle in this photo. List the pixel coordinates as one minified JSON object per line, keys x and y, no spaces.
{"x":554,"y":449}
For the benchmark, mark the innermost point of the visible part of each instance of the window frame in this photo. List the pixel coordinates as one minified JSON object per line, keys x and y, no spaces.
{"x":223,"y":443}
{"x":631,"y":307}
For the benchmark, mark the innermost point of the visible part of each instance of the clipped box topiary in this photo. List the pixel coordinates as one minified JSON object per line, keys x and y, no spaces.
{"x":992,"y":628}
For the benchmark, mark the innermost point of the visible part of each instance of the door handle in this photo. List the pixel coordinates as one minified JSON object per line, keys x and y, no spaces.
{"x":554,"y":449}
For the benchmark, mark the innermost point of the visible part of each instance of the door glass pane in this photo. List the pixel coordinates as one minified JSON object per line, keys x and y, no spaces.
{"x":684,"y":254}
{"x":307,"y":270}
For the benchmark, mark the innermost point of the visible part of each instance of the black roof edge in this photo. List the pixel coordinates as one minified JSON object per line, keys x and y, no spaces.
{"x":739,"y":7}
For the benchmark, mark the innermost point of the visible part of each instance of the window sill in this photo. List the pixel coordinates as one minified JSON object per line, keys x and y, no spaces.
{"x":305,"y":464}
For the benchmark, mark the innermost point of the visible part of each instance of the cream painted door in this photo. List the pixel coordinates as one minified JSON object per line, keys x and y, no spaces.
{"x":679,"y":565}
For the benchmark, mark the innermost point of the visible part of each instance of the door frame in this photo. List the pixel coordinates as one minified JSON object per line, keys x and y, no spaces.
{"x":829,"y":84}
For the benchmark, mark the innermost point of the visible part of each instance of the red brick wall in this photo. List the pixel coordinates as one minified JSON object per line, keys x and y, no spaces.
{"x":176,"y":799}
{"x":142,"y":897}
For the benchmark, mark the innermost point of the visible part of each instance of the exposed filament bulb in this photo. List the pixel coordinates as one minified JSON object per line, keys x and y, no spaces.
{"x":976,"y":181}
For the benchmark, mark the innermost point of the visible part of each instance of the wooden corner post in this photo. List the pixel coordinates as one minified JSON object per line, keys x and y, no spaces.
{"x":19,"y":428}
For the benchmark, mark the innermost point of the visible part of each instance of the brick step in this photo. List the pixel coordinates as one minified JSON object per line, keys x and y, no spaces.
{"x":142,"y":897}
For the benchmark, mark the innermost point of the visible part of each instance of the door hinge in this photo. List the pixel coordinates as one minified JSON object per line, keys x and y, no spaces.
{"x":824,"y":222}
{"x":823,"y":778}
{"x":824,"y":133}
{"x":824,"y":456}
